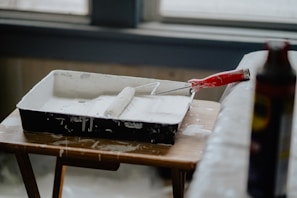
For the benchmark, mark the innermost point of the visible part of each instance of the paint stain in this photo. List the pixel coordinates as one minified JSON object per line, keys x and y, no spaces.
{"x":193,"y":130}
{"x":118,"y":148}
{"x":11,"y":122}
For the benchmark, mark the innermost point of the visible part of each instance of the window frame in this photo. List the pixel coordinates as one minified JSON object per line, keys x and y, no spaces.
{"x":231,"y":23}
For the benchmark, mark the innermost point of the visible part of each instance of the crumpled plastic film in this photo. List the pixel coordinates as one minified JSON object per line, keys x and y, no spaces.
{"x":222,"y":172}
{"x":129,"y":181}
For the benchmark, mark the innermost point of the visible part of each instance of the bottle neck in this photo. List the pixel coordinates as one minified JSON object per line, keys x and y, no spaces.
{"x":277,"y":56}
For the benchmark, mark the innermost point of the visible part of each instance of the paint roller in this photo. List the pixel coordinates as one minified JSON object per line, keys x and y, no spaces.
{"x":124,"y":98}
{"x":120,"y":102}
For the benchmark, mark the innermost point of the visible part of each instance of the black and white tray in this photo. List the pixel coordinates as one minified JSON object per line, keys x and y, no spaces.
{"x":74,"y":103}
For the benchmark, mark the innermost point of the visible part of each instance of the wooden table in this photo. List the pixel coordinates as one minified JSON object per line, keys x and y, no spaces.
{"x":181,"y":157}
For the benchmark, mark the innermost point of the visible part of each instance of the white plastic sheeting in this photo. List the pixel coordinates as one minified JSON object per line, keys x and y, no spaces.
{"x":130,"y":181}
{"x":223,"y":169}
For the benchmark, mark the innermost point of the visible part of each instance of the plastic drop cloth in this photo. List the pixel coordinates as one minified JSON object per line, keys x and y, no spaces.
{"x":127,"y":182}
{"x":223,"y":169}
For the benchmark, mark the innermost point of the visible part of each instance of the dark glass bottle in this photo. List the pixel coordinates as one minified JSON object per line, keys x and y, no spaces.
{"x":272,"y":124}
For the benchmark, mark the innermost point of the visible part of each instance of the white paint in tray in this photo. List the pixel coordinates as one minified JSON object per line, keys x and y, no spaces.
{"x":159,"y":109}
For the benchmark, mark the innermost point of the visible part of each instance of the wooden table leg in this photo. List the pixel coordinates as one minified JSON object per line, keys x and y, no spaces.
{"x":178,"y":182}
{"x":59,"y":178}
{"x":27,"y":174}
{"x":62,"y":162}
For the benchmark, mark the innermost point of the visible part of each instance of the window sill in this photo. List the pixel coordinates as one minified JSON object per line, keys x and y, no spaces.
{"x":219,"y":33}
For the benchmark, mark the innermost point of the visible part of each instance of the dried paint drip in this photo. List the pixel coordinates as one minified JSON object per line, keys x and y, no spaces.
{"x":57,"y":136}
{"x":69,"y":142}
{"x":63,"y":142}
{"x":120,"y":102}
{"x":11,"y":122}
{"x":118,"y":148}
{"x":193,"y":130}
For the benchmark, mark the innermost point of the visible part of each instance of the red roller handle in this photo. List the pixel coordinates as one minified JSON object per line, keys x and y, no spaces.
{"x":220,"y":79}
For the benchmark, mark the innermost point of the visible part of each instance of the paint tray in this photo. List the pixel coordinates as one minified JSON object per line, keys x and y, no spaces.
{"x":73,"y":103}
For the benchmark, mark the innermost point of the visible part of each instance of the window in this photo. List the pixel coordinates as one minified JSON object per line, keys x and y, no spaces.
{"x":231,"y":12}
{"x":31,"y":34}
{"x":75,"y":7}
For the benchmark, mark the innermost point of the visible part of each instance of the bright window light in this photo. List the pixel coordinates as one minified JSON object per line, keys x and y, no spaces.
{"x":251,"y":10}
{"x":75,"y":7}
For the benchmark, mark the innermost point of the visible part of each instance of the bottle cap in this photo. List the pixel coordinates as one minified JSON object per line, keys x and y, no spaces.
{"x":277,"y":45}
